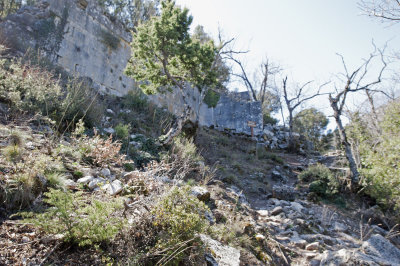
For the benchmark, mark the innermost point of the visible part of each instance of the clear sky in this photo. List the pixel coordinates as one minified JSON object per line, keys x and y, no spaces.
{"x":303,"y":36}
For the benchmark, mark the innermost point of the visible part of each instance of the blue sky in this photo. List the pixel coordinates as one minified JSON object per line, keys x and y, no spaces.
{"x":302,"y":36}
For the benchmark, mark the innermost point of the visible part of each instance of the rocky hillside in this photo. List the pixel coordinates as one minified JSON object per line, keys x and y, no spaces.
{"x":84,"y":179}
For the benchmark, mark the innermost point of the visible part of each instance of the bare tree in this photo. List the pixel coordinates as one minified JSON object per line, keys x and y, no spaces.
{"x":354,"y":81}
{"x":258,"y":87}
{"x":386,"y":10}
{"x":299,"y":96}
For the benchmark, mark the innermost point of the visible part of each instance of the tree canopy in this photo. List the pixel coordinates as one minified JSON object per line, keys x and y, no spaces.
{"x":165,"y":55}
{"x":311,"y":123}
{"x":131,"y":12}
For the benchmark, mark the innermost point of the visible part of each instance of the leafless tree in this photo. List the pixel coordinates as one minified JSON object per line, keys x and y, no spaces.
{"x":295,"y":99}
{"x":258,"y":87}
{"x":386,"y":10}
{"x":354,"y":81}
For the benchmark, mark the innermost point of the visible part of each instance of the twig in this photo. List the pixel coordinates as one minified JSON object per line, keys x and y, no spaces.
{"x":49,"y":253}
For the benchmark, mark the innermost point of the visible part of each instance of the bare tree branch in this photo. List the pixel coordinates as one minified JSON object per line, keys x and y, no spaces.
{"x":355,"y":82}
{"x":386,"y":10}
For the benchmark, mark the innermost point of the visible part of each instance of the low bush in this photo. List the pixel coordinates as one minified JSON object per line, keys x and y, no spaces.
{"x":181,"y":217}
{"x":322,"y":181}
{"x":269,"y":120}
{"x":100,"y":152}
{"x":28,"y":88}
{"x":122,"y":131}
{"x":211,"y":98}
{"x":80,"y":222}
{"x":270,"y":156}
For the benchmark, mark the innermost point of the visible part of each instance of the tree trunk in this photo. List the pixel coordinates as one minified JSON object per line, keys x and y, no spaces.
{"x":176,"y":129}
{"x":347,"y":147}
{"x":291,"y":146}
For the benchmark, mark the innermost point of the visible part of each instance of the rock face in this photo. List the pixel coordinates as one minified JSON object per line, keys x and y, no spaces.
{"x":220,"y":255}
{"x":77,"y":36}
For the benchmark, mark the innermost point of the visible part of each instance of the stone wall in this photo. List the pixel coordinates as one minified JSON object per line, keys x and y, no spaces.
{"x":79,"y":37}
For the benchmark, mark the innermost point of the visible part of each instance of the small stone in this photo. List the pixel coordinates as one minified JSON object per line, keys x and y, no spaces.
{"x":314,"y":262}
{"x":313,"y":246}
{"x":109,"y":130}
{"x":95,"y":182}
{"x":260,"y":237}
{"x":339,"y":227}
{"x":105,"y":172}
{"x":110,"y":111}
{"x":25,"y":239}
{"x":297,"y":206}
{"x":201,"y":193}
{"x":114,"y":188}
{"x":277,"y":210}
{"x":276,"y":175}
{"x":71,"y":184}
{"x":210,"y":217}
{"x":263,"y":213}
{"x":85,"y":180}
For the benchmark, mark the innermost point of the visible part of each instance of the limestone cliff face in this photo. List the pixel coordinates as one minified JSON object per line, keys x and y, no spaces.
{"x":79,"y":37}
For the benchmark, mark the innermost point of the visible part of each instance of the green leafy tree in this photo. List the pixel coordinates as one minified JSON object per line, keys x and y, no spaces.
{"x":164,"y":55}
{"x":10,"y":6}
{"x":131,"y":12}
{"x":378,"y":154}
{"x":311,"y":123}
{"x":220,"y":67}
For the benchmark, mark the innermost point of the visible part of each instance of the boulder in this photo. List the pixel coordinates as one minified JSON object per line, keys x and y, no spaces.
{"x":284,"y":192}
{"x":351,"y":257}
{"x":379,"y":246}
{"x":218,"y":254}
{"x":201,"y":193}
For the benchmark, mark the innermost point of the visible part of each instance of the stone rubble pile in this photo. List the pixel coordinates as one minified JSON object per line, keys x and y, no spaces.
{"x":276,"y":137}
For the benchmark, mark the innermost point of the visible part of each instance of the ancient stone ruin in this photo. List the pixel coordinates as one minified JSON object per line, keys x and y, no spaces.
{"x":78,"y":36}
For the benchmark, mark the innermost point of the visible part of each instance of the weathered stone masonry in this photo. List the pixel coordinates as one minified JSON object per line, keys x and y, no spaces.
{"x":79,"y":37}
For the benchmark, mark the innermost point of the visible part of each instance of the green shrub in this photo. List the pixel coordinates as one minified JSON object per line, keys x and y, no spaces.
{"x":186,"y":150}
{"x":181,"y":216}
{"x":79,"y":102}
{"x":379,"y":152}
{"x":122,"y":131}
{"x":56,"y":180}
{"x":263,"y":154}
{"x":30,"y":88}
{"x":322,"y":181}
{"x":12,"y":153}
{"x":19,"y":191}
{"x":211,"y":98}
{"x":79,"y":222}
{"x":268,"y":119}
